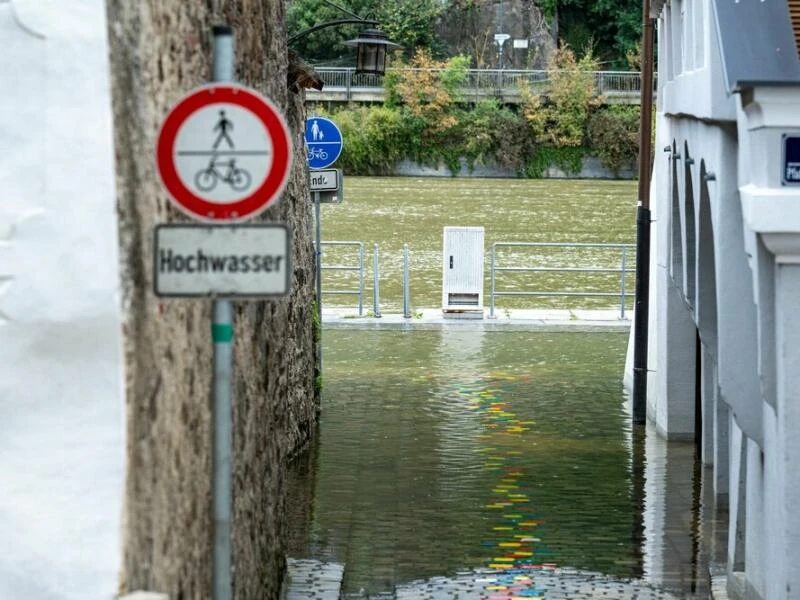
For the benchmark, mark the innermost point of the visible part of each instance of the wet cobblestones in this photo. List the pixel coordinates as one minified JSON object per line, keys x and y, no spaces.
{"x":309,"y":580}
{"x":523,"y":584}
{"x":312,"y":580}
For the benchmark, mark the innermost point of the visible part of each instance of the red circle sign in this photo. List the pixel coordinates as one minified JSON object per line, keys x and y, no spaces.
{"x":224,"y":153}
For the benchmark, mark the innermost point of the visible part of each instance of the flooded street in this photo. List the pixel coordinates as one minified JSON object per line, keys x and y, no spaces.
{"x":461,"y":459}
{"x":450,"y":448}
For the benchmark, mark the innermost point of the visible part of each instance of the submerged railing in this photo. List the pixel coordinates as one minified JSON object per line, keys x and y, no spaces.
{"x":622,"y":270}
{"x":359,"y":268}
{"x":616,"y":260}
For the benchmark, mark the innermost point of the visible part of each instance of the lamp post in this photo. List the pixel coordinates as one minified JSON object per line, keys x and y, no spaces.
{"x":371,"y":44}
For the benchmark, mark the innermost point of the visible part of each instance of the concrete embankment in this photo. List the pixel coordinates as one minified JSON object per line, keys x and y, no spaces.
{"x":423,"y":317}
{"x":591,"y":168}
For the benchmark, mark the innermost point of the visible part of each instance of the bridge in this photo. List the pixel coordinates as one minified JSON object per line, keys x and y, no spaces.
{"x":343,"y":84}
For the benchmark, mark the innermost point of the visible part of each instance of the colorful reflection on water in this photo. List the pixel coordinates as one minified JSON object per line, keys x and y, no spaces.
{"x":464,"y":447}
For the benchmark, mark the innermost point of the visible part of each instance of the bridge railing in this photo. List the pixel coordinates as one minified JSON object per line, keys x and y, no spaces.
{"x":477,"y":80}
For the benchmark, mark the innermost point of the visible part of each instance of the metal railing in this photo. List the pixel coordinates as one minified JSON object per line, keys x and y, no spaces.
{"x":376,"y":282}
{"x":406,"y":284}
{"x":622,"y":270}
{"x":477,"y":80}
{"x":376,"y":301}
{"x":359,"y":268}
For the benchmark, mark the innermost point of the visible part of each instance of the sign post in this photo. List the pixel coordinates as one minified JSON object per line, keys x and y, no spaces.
{"x":224,"y":154}
{"x":222,"y":405}
{"x":323,"y":146}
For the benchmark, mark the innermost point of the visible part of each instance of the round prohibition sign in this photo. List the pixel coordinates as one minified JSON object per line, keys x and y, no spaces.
{"x":224,"y":153}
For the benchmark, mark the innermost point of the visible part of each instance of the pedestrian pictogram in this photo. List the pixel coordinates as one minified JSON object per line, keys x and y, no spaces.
{"x":224,"y":153}
{"x":323,"y":142}
{"x":223,"y":126}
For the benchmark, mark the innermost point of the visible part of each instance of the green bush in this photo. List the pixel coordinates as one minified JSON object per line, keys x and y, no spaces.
{"x":374,"y":139}
{"x":614,"y":135}
{"x":560,"y":117}
{"x":492,"y":133}
{"x":567,"y":158}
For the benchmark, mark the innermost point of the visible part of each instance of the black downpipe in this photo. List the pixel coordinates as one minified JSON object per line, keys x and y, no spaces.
{"x":641,"y":314}
{"x":642,"y":302}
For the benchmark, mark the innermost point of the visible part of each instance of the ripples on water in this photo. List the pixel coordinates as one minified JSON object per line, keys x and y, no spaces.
{"x":391,"y":211}
{"x":456,"y":448}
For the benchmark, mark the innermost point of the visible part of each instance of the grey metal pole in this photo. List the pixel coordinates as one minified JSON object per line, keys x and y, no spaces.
{"x":406,"y":291}
{"x":376,"y":296}
{"x":361,"y":279}
{"x":222,"y":419}
{"x":491,"y":287}
{"x":319,"y":272}
{"x":622,"y":284}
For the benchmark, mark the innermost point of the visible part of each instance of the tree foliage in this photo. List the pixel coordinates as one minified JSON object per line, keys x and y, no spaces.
{"x":559,"y":119}
{"x":409,"y":23}
{"x":612,"y":27}
{"x":429,"y":89}
{"x":613,"y":132}
{"x":324,"y":44}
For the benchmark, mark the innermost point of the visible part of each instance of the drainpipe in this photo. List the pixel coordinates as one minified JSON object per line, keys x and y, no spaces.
{"x":642,"y":300}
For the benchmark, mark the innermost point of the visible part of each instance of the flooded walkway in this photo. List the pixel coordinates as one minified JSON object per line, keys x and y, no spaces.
{"x":484,"y":462}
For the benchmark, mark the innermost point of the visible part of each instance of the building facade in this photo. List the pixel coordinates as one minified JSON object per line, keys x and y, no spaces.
{"x":724,"y":346}
{"x":62,"y":412}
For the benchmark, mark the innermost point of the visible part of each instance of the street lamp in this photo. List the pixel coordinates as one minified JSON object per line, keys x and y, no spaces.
{"x":371,"y":44}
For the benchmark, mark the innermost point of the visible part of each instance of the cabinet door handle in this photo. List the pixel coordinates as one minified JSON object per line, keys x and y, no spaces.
{"x":451,"y":261}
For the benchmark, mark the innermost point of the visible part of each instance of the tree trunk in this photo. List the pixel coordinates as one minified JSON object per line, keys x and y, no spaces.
{"x":160,"y":49}
{"x":555,"y":24}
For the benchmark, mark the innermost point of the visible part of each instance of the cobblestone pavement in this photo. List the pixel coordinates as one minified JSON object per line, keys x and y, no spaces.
{"x":545,"y":582}
{"x":315,"y":580}
{"x":312,"y":580}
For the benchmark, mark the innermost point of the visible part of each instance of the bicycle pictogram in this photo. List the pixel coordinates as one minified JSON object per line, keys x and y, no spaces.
{"x":206,"y":179}
{"x":222,"y":170}
{"x":317,"y":153}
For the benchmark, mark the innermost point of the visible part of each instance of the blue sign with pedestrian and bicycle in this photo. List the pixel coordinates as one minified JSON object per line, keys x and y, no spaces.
{"x":323,"y":142}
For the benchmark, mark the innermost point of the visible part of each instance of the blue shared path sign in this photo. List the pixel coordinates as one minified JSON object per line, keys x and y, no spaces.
{"x":323,"y":142}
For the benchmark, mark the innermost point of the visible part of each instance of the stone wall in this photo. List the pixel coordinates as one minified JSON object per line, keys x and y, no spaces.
{"x":591,"y":168}
{"x":159,"y":51}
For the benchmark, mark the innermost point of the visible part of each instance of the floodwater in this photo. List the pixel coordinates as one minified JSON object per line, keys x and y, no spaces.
{"x":446,"y":448}
{"x":392,"y":211}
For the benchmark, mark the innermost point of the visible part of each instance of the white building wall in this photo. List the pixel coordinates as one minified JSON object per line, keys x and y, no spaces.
{"x":61,"y":394}
{"x":751,"y":341}
{"x":786,"y":452}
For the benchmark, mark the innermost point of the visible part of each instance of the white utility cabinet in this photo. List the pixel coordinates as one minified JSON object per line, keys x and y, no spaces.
{"x":462,"y":272}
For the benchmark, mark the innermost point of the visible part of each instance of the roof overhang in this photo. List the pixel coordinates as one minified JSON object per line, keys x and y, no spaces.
{"x":757,"y":43}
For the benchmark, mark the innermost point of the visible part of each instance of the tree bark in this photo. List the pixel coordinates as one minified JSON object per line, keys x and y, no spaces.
{"x":160,"y":49}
